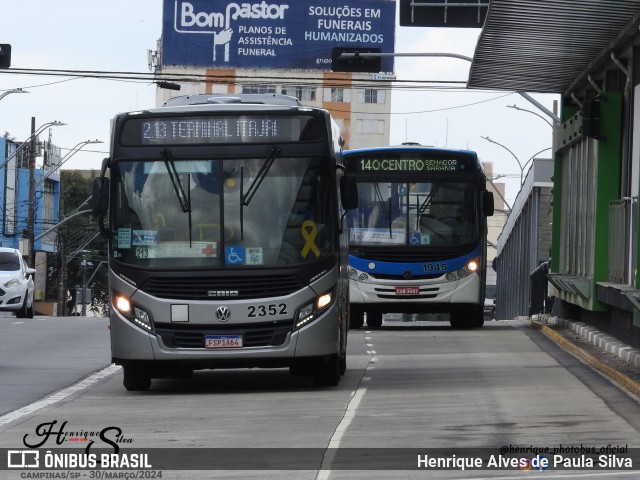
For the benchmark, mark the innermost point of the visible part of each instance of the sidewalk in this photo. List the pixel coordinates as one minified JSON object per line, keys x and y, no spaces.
{"x":614,"y":359}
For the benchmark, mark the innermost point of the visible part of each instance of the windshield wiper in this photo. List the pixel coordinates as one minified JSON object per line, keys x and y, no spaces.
{"x":185,"y":204}
{"x":245,"y":198}
{"x":429,"y":199}
{"x":253,"y":188}
{"x":183,"y":198}
{"x":385,"y":211}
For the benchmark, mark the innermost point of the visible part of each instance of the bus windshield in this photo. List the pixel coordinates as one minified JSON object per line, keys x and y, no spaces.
{"x":175,"y":212}
{"x":437,"y":213}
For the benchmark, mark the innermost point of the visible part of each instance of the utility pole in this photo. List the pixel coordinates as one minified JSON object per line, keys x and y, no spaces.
{"x":62,"y":270}
{"x":31,"y":211}
{"x":84,"y":284}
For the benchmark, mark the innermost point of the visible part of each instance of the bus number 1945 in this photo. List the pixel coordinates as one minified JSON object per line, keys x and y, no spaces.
{"x":434,"y":267}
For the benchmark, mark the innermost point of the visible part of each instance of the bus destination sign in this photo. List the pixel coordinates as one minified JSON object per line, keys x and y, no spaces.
{"x":199,"y":130}
{"x":410,"y":165}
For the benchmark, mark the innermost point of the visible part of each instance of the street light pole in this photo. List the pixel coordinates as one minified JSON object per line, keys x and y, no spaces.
{"x":55,"y":123}
{"x":515,"y":107}
{"x":512,"y":154}
{"x":526,"y":96}
{"x":9,"y":92}
{"x":70,"y":154}
{"x":535,"y":155}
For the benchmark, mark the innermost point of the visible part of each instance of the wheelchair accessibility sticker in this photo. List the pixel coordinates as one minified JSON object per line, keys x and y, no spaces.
{"x":234,"y":255}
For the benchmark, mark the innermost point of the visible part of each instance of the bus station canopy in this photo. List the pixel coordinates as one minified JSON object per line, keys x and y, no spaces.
{"x":548,"y":46}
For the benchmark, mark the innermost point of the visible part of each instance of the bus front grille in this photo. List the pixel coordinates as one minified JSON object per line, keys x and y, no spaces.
{"x":271,"y":334}
{"x":215,"y":288}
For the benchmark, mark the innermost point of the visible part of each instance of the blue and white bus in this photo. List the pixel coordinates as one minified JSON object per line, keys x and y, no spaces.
{"x":417,"y":240}
{"x":227,"y":238}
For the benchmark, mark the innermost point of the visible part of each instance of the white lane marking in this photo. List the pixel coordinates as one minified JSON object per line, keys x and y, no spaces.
{"x":349,"y":415}
{"x":356,"y":397}
{"x":17,"y":323}
{"x":59,"y":396}
{"x":334,"y":443}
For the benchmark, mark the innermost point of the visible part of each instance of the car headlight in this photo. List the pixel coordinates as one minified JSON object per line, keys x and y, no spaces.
{"x":134,"y":314}
{"x":14,"y":282}
{"x":312,"y":310}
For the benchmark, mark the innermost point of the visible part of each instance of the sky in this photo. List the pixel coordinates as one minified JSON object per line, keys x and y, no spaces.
{"x":116,"y":35}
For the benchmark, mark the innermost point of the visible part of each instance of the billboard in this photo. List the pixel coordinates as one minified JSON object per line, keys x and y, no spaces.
{"x":290,"y":34}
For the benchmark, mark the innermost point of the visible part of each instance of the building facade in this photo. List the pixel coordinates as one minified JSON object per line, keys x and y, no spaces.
{"x":283,"y":48}
{"x":15,"y":197}
{"x":16,"y":202}
{"x":495,"y":224}
{"x":358,"y":102}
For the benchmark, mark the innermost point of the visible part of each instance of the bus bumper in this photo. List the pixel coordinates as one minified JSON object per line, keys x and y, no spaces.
{"x":319,"y":338}
{"x":464,"y":291}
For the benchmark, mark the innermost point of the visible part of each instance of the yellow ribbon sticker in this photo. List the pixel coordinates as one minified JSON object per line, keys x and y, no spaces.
{"x":309,"y":232}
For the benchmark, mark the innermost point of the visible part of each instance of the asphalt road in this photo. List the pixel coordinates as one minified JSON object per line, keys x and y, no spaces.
{"x":407,"y":386}
{"x":44,"y":354}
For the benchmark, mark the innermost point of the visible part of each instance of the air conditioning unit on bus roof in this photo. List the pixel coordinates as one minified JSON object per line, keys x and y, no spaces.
{"x":241,"y":98}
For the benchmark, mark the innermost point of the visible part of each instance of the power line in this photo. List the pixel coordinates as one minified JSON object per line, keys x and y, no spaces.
{"x":320,"y":81}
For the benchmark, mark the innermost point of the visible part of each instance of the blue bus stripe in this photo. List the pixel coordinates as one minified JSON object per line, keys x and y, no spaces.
{"x":398,"y":268}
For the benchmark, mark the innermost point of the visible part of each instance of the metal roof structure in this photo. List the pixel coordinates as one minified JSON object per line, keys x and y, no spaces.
{"x":547,"y":46}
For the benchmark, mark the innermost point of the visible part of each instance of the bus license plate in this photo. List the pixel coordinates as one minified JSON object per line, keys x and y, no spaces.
{"x":223,"y":341}
{"x":407,"y":290}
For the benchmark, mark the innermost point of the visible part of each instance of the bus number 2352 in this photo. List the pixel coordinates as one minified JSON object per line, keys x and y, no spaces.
{"x":264,"y":310}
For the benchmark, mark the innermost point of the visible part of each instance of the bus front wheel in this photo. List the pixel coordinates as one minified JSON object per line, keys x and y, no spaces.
{"x":374,"y":319}
{"x":356,"y":317}
{"x":467,"y":319}
{"x":136,"y":378}
{"x":327,"y":372}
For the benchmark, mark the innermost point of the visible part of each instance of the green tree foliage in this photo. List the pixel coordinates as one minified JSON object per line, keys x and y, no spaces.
{"x":82,"y":241}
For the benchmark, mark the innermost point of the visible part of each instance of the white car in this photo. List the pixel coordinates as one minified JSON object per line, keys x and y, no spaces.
{"x":16,"y":284}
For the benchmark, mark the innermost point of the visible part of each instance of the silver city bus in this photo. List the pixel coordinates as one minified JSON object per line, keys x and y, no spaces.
{"x":227,"y":238}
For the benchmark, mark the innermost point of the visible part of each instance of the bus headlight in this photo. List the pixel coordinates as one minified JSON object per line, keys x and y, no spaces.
{"x":353,"y":273}
{"x":312,"y":310}
{"x":134,"y":314}
{"x":122,"y":304}
{"x":472,"y":266}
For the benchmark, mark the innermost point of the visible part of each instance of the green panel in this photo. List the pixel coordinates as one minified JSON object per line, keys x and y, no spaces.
{"x":608,"y":165}
{"x":607,"y":188}
{"x":608,"y":177}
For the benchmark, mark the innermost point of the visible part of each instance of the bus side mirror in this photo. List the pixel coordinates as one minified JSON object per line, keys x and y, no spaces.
{"x":100,"y":197}
{"x":348,"y":192}
{"x":487,"y":203}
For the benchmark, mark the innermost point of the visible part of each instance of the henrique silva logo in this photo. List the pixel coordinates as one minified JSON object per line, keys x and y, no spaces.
{"x":219,"y":24}
{"x":110,"y":436}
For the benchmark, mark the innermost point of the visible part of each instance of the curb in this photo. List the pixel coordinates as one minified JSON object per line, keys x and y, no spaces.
{"x":601,"y":340}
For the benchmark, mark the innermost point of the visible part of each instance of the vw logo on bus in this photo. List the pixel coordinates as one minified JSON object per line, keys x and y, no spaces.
{"x":223,"y":313}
